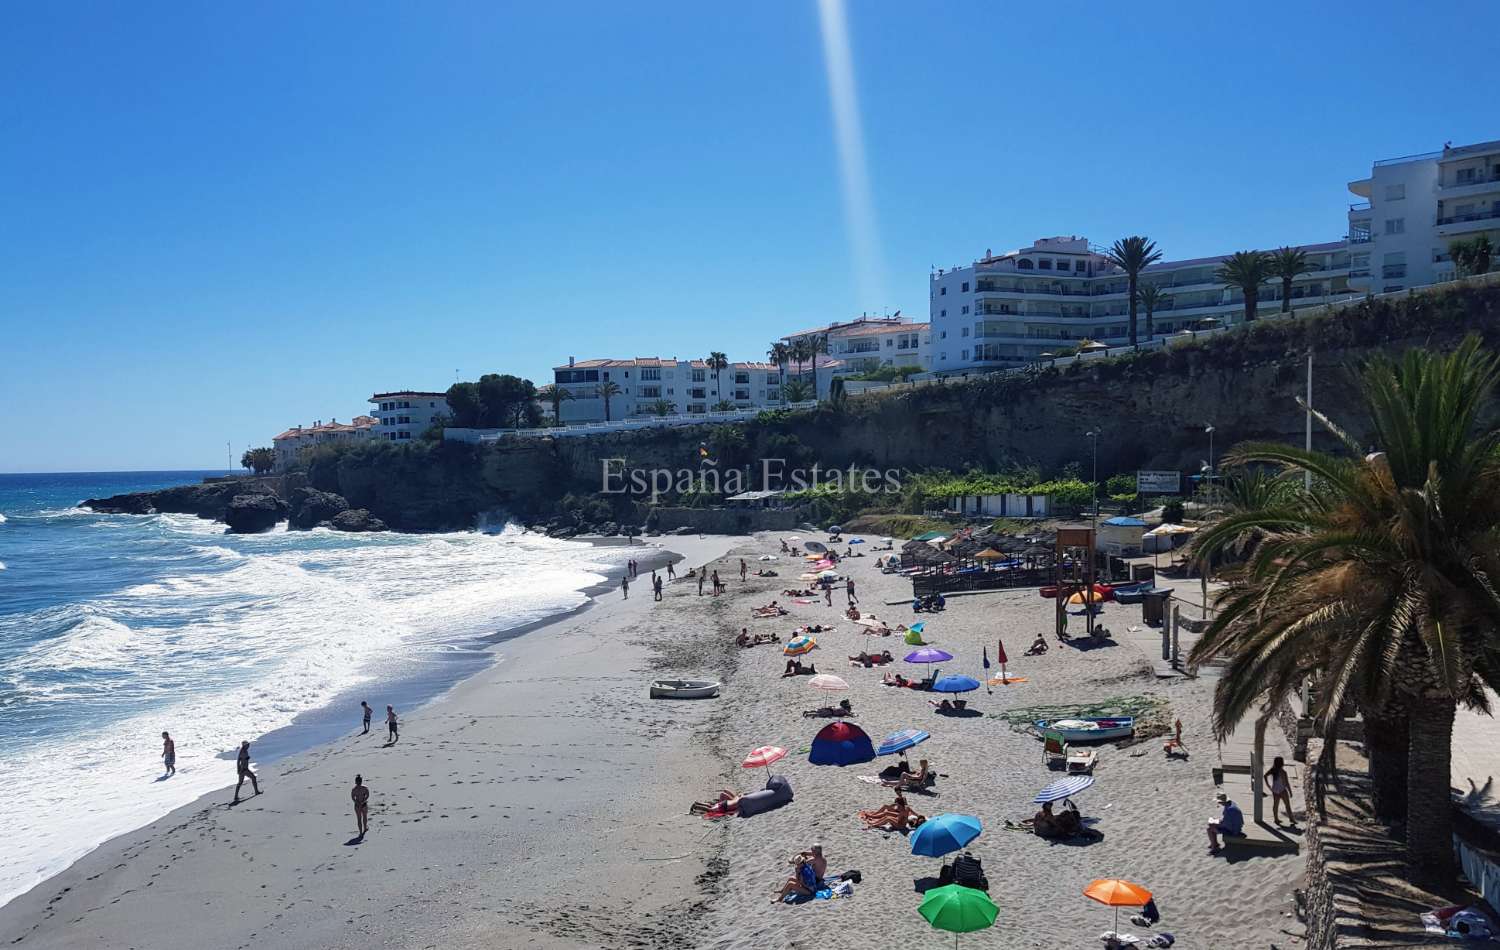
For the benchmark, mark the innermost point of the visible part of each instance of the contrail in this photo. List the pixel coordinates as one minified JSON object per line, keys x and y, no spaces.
{"x":859,"y":207}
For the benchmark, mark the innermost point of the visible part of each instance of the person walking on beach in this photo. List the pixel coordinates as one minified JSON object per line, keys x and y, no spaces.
{"x":828,"y":593}
{"x":368,"y":713}
{"x":625,"y":585}
{"x":656,"y":585}
{"x":242,"y":766}
{"x":701,"y":575}
{"x":849,"y":589}
{"x":361,"y":796}
{"x":392,"y":725}
{"x":169,"y":753}
{"x":718,"y":584}
{"x":671,"y":572}
{"x":1281,"y":791}
{"x":743,"y":570}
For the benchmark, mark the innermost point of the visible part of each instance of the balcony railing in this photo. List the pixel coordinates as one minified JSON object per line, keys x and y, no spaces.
{"x":1472,"y":216}
{"x":1478,"y":179}
{"x":1017,"y":289}
{"x":1361,"y":237}
{"x":1360,"y":206}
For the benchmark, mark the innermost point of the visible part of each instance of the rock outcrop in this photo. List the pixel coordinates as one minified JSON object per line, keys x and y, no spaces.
{"x":311,"y":508}
{"x":207,"y":500}
{"x":356,"y":519}
{"x":250,"y":514}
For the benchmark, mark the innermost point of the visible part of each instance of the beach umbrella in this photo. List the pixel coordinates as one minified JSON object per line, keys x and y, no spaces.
{"x":830,"y":574}
{"x":798,"y":646}
{"x":763,"y":756}
{"x":1113,"y":892}
{"x":958,"y":909}
{"x":841,"y":743}
{"x":955,"y":684}
{"x":768,"y":557}
{"x":928,"y":655}
{"x":901,"y":741}
{"x":817,"y":546}
{"x":988,"y":554}
{"x":856,"y":540}
{"x":807,"y":577}
{"x":835,"y":529}
{"x":914,"y":638}
{"x":827,"y":681}
{"x":944,"y":834}
{"x":1063,"y":788}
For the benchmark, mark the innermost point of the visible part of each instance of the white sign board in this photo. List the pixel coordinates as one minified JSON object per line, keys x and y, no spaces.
{"x":1159,"y":483}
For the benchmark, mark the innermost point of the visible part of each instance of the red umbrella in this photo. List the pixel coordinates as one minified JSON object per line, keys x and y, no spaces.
{"x":1000,"y":658}
{"x":764,"y":756}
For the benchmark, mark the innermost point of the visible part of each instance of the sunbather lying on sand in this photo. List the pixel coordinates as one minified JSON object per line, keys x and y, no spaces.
{"x":917,"y":780}
{"x":726,"y":801}
{"x":814,"y":628}
{"x":795,"y":668}
{"x":950,"y":705}
{"x":1038,"y":646}
{"x":804,"y":592}
{"x":773,"y":609}
{"x":896,"y":816}
{"x":871,"y":659}
{"x":755,"y":640}
{"x":764,"y":572}
{"x":844,"y":708}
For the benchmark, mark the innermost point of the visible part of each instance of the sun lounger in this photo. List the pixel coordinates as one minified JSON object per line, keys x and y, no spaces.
{"x":778,"y":792}
{"x":1055,"y":750}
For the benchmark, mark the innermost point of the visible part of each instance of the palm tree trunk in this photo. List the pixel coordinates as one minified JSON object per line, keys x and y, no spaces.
{"x":1429,"y":801}
{"x":815,"y":375}
{"x":1387,"y":744}
{"x":1286,"y":295}
{"x":1132,"y":309}
{"x":1252,"y":299}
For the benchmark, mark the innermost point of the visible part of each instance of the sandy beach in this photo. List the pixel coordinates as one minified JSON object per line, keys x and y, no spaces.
{"x":543,"y":802}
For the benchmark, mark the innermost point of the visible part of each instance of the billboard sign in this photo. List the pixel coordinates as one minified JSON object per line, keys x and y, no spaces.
{"x":1158,"y":483}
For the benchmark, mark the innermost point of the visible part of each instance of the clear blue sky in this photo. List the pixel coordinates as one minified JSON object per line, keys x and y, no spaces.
{"x":218,"y":220}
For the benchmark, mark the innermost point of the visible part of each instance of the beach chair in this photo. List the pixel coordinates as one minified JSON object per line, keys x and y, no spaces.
{"x":1054,"y":749}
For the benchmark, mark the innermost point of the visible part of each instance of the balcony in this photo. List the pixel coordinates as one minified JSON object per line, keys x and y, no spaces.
{"x":1360,"y":237}
{"x":1019,"y":290}
{"x":1359,"y":206}
{"x":1487,"y":214}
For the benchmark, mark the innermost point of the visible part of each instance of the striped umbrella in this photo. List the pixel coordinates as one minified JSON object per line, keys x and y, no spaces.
{"x":799,"y":645}
{"x":1063,"y":788}
{"x":763,"y":756}
{"x":827,"y":681}
{"x":901,"y":741}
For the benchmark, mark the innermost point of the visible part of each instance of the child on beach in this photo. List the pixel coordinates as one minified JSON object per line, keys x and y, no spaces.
{"x":242,"y":766}
{"x":744,"y":569}
{"x":169,"y":754}
{"x":368,"y":713}
{"x":625,"y":585}
{"x":361,"y":796}
{"x":391,"y":725}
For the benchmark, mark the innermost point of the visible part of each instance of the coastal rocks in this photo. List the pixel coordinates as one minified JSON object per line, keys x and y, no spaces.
{"x":249,"y":514}
{"x":207,"y":500}
{"x":311,"y":508}
{"x":135,"y":503}
{"x":356,"y":519}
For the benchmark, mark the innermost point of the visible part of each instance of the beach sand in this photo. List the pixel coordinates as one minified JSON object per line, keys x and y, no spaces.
{"x":543,"y":803}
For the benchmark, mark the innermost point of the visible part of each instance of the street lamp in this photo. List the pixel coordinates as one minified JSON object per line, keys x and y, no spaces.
{"x":1093,"y":435}
{"x":1211,"y":468}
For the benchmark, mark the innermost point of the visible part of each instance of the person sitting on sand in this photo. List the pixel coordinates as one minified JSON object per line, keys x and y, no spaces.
{"x":810,"y":868}
{"x":895,"y":679}
{"x":763,"y":572}
{"x":844,"y":708}
{"x":784,"y":548}
{"x":852,"y":613}
{"x":1038,"y":646}
{"x":956,"y":705}
{"x":743,"y":640}
{"x":896,"y":816}
{"x":1044,"y":823}
{"x":917,"y":780}
{"x":1069,"y":822}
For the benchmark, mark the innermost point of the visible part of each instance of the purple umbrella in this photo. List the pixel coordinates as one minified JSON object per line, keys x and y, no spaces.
{"x":928,"y":655}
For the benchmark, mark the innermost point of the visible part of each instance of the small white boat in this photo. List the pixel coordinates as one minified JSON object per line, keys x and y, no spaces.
{"x":684,"y":689}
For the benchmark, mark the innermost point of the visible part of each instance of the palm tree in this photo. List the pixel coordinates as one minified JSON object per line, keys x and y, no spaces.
{"x":661,"y":407}
{"x":1151,"y":297}
{"x":818,"y":343}
{"x":780,"y":354}
{"x":1472,"y":257}
{"x":1246,"y":270}
{"x":259,"y":461}
{"x":716,"y":362}
{"x":723,"y":405}
{"x":1288,"y":263}
{"x":800,"y":350}
{"x":1380,"y":580}
{"x":1133,"y":255}
{"x":556,"y":395}
{"x":607,"y":391}
{"x":796,"y":390}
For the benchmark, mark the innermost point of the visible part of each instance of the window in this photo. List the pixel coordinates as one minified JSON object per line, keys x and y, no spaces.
{"x":651,"y":374}
{"x":965,"y":354}
{"x":1023,"y":264}
{"x":943,"y":357}
{"x":698,"y":375}
{"x":651,"y":392}
{"x":1395,"y":192}
{"x":1395,"y":225}
{"x":742,"y":394}
{"x":1062,"y":265}
{"x":741,"y":378}
{"x":1078,"y":266}
{"x":942,"y":291}
{"x":943,"y":335}
{"x":966,"y":308}
{"x":1393,"y":266}
{"x":1044,"y":264}
{"x":1463,"y":176}
{"x":966,"y":287}
{"x":966,"y":331}
{"x":942,"y":313}
{"x":698,"y":393}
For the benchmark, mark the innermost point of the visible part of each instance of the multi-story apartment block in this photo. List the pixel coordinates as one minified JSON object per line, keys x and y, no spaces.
{"x":299,"y":437}
{"x":647,"y":382}
{"x":864,"y":344}
{"x":1012,"y":308}
{"x":405,"y":415}
{"x":1414,"y":208}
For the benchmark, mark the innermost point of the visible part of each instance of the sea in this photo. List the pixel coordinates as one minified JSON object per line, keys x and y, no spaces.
{"x":114,"y":628}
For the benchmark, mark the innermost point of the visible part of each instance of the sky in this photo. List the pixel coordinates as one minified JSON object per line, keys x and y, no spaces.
{"x":221,"y":220}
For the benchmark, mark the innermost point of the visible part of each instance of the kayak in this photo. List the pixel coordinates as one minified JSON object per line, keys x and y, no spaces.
{"x":684,"y":689}
{"x":1089,"y":730}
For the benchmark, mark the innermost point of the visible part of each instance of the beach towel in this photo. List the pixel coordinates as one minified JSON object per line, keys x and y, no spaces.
{"x":803,"y":600}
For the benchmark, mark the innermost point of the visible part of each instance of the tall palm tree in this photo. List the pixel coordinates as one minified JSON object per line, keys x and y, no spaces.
{"x":556,"y":396}
{"x":818,"y":343}
{"x":1151,"y":297}
{"x":1381,"y":580}
{"x":780,"y":354}
{"x":1289,"y":263}
{"x":717,"y":362}
{"x":796,"y":390}
{"x":1133,"y":255}
{"x":799,"y":353}
{"x":661,"y":407}
{"x":1246,"y":270}
{"x":607,"y":391}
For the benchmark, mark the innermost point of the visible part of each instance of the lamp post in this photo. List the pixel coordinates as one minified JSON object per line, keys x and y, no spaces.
{"x":1211,"y":467}
{"x":1093,"y":435}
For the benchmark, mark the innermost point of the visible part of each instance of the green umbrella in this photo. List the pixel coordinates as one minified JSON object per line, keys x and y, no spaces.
{"x":958,"y":909}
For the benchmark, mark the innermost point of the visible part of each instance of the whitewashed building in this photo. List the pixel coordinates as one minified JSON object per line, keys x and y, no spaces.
{"x":291,"y":442}
{"x":404,"y":415}
{"x":864,"y":344}
{"x":1414,"y":207}
{"x":649,"y":383}
{"x":1013,"y":308}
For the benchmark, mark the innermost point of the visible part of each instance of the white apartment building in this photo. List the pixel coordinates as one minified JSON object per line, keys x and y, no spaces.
{"x":405,"y":415}
{"x":687,"y":386}
{"x":863,"y":344}
{"x":299,"y":437}
{"x":1012,"y":308}
{"x":1414,"y":207}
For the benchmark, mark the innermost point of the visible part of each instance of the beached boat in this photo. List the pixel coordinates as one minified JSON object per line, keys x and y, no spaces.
{"x":684,"y":689}
{"x":1131,"y":593}
{"x":1136,"y":596}
{"x":1089,"y":730}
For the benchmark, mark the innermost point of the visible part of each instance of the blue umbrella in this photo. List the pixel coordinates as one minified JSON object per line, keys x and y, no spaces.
{"x":944,"y":834}
{"x":955,"y":684}
{"x":901,"y":741}
{"x":856,"y":540}
{"x":1063,"y":788}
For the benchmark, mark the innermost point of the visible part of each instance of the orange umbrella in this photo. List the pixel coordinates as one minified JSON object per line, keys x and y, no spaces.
{"x":1113,"y":892}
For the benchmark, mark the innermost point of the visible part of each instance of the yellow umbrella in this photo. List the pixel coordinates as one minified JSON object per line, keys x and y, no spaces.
{"x":989,"y":554}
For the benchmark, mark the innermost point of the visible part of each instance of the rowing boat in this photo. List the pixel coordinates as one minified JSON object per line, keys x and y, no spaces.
{"x":684,"y":689}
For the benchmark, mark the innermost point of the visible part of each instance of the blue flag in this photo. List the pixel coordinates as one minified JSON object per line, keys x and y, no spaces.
{"x":986,"y":657}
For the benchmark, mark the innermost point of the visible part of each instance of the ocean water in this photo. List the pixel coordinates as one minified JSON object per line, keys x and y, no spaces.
{"x":116,"y":627}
